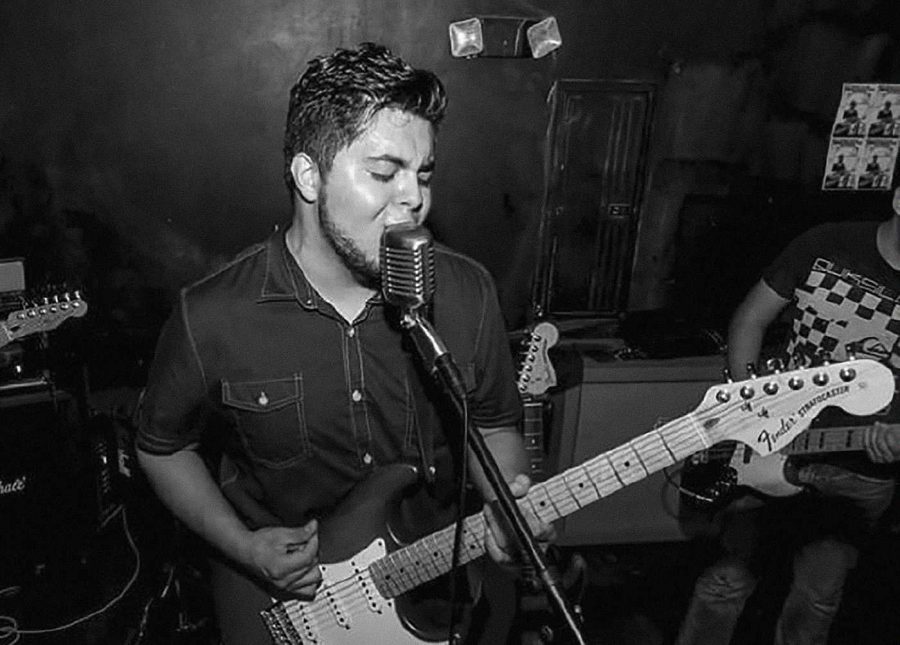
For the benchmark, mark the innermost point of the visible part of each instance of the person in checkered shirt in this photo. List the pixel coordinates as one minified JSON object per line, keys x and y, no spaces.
{"x":838,"y":284}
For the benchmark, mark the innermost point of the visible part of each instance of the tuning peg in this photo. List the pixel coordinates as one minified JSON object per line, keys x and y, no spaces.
{"x":847,"y":374}
{"x":851,"y":353}
{"x":726,"y":375}
{"x":751,"y":370}
{"x":775,"y":366}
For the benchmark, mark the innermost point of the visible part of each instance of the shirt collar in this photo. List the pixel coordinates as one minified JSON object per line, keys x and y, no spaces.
{"x":283,"y":278}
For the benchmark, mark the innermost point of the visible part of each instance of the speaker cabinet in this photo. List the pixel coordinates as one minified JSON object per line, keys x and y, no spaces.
{"x":615,"y":402}
{"x":41,"y":485}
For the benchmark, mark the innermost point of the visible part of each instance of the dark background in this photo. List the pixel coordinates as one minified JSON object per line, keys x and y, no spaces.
{"x":140,"y":142}
{"x":140,"y":147}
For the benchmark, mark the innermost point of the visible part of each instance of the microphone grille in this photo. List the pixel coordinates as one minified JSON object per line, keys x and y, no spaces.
{"x":407,"y":266}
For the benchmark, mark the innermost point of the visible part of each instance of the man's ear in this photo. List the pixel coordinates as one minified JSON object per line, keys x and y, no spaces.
{"x":307,"y":179}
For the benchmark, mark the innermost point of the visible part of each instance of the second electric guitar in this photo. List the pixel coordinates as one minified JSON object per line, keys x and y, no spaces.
{"x":731,"y":467}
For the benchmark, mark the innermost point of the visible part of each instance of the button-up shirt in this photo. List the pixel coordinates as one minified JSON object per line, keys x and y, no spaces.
{"x":301,"y":404}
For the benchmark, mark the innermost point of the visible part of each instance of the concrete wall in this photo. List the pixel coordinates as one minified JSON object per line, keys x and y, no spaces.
{"x":162,"y":121}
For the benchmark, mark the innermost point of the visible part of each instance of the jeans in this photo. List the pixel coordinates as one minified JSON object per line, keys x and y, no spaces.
{"x":823,"y":556}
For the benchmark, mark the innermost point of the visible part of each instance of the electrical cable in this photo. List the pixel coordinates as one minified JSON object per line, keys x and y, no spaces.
{"x":10,"y":632}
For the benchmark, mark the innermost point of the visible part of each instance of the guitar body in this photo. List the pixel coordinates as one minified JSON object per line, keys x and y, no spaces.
{"x":386,"y":511}
{"x":708,"y":478}
{"x":763,"y":474}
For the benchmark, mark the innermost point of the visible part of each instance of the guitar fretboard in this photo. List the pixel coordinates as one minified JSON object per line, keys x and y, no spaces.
{"x":824,"y":440}
{"x":559,"y":496}
{"x":533,"y":436}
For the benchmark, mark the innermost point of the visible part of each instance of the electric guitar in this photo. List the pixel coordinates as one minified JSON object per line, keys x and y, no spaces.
{"x":730,"y":467}
{"x":537,"y":620}
{"x":536,"y":377}
{"x":42,"y":317}
{"x":367,"y":574}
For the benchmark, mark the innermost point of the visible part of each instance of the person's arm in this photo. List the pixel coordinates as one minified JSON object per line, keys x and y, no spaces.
{"x":882,"y":443}
{"x":748,"y":326}
{"x":508,"y":449}
{"x":286,"y":558}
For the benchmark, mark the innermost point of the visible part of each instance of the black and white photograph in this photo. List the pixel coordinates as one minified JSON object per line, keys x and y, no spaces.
{"x":446,"y":322}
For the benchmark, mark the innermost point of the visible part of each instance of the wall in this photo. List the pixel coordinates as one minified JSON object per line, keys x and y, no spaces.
{"x":162,"y":121}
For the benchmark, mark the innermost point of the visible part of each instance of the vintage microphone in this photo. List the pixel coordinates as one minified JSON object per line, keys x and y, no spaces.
{"x":407,"y":266}
{"x":408,"y":282}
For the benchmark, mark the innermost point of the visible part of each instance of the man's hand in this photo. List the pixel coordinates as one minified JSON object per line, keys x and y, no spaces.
{"x":287,"y":558}
{"x":882,"y":442}
{"x":501,"y":543}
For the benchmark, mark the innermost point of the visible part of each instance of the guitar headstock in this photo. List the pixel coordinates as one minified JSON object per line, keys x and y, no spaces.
{"x":768,"y":412}
{"x":45,"y":316}
{"x":536,"y":373}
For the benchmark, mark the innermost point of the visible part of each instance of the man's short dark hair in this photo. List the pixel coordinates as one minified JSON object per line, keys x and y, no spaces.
{"x":337,"y":95}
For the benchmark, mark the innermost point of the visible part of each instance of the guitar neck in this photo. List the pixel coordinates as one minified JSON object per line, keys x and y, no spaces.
{"x":533,"y":435}
{"x":825,"y":440}
{"x":559,"y":496}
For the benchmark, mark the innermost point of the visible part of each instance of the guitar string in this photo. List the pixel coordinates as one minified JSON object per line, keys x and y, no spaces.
{"x":683,"y":430}
{"x":556,"y":489}
{"x":683,"y":433}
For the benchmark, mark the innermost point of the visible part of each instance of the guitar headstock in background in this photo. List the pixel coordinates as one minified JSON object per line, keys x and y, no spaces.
{"x":536,"y":373}
{"x":47,"y":315}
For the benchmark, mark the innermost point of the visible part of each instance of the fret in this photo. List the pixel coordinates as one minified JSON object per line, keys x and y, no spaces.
{"x":603,"y":475}
{"x":580,"y":486}
{"x":540,"y":503}
{"x":825,"y":440}
{"x":652,"y":451}
{"x":626,"y":464}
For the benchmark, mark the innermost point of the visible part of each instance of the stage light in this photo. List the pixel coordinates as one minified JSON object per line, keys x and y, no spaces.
{"x":504,"y":37}
{"x":466,"y":38}
{"x":544,"y":37}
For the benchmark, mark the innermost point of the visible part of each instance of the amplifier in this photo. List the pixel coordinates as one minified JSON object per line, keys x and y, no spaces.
{"x":614,"y":402}
{"x":42,"y":484}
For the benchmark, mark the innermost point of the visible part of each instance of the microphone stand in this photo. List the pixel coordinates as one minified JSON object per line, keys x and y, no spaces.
{"x":432,"y":350}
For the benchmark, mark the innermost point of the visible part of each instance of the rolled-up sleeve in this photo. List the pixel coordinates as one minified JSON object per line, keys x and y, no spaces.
{"x":176,"y":388}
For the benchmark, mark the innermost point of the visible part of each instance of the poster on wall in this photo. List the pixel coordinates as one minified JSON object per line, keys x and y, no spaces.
{"x":864,"y":138}
{"x":843,"y":158}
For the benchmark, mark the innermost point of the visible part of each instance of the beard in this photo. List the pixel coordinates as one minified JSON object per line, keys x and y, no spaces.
{"x":364,"y":271}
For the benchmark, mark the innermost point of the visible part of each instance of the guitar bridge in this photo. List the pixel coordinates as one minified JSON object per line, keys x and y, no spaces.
{"x":280,"y":626}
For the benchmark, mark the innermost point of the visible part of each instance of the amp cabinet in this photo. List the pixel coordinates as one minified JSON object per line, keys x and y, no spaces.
{"x":614,"y":402}
{"x":42,"y":485}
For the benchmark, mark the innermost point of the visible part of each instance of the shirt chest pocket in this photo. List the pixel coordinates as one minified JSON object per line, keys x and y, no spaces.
{"x":270,"y":419}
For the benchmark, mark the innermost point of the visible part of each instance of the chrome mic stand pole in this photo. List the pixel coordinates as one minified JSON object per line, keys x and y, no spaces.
{"x":432,"y":350}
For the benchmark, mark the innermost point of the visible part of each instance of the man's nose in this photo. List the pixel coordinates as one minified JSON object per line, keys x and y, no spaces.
{"x":410,"y":197}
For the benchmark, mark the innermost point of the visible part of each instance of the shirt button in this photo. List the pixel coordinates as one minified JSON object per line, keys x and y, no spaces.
{"x":367,"y":459}
{"x":356,"y":396}
{"x":351,"y":332}
{"x":262,"y":399}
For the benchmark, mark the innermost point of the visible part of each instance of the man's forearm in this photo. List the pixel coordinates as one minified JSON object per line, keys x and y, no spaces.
{"x":185,"y":485}
{"x":508,"y":450}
